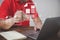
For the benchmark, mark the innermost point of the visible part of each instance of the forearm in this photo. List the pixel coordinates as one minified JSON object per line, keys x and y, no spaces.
{"x":6,"y":24}
{"x":38,"y":22}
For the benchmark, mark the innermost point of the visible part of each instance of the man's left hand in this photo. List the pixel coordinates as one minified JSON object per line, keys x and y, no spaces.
{"x":38,"y":27}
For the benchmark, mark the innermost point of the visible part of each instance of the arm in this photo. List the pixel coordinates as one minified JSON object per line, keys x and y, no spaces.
{"x":4,"y":11}
{"x":38,"y":23}
{"x":6,"y":24}
{"x":35,"y":17}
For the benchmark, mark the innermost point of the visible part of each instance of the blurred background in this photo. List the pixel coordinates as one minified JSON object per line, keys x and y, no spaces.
{"x":47,"y":9}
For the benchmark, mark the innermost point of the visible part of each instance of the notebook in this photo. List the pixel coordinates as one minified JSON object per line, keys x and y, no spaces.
{"x":13,"y":35}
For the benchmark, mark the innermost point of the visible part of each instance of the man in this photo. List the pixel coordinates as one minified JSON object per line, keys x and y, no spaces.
{"x":18,"y":12}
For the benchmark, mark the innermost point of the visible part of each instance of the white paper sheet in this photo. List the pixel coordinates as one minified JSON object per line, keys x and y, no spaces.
{"x":11,"y":35}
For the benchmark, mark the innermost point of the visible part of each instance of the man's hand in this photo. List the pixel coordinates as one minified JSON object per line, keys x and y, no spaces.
{"x":18,"y":16}
{"x":37,"y":27}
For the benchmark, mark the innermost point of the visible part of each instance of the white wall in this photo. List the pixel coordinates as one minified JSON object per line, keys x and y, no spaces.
{"x":59,"y":7}
{"x":46,"y":9}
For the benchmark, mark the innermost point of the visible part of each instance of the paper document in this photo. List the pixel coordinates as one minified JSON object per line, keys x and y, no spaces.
{"x":12,"y":35}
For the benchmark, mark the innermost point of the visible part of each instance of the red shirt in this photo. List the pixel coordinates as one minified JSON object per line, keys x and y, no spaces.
{"x":9,"y":7}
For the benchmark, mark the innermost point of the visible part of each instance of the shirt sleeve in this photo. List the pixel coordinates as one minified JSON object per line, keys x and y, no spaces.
{"x":4,"y":9}
{"x":33,"y":11}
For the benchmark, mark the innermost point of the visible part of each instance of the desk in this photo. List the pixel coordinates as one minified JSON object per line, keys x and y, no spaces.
{"x":23,"y":29}
{"x":19,"y":29}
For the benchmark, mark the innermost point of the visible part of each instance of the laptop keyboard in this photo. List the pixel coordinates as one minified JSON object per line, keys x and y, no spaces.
{"x":32,"y":34}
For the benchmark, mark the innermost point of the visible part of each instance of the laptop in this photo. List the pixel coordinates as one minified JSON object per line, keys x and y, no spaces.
{"x":35,"y":35}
